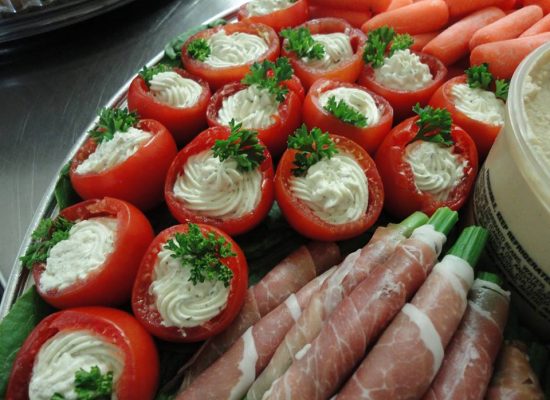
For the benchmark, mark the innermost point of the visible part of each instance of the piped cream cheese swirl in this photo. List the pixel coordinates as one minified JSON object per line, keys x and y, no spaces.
{"x":253,"y":107}
{"x":180,"y":302}
{"x":335,"y":189}
{"x":436,"y":169}
{"x":217,"y":188}
{"x":66,"y":353}
{"x":357,"y":99}
{"x":263,"y":7}
{"x":174,"y":90}
{"x":403,"y":71}
{"x":337,"y":48}
{"x":481,"y":105}
{"x":85,"y":250}
{"x":235,"y":49}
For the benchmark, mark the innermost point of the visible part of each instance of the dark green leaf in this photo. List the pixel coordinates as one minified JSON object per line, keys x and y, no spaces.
{"x":57,"y":396}
{"x":198,"y":49}
{"x":401,"y":42}
{"x":434,"y":125}
{"x":479,"y":76}
{"x":346,"y":113}
{"x":300,"y":41}
{"x":377,"y":44}
{"x":172,"y":50}
{"x":148,"y":73}
{"x":501,"y":89}
{"x":312,"y":146}
{"x":93,"y":385}
{"x":112,"y":120}
{"x":65,"y":195}
{"x":268,"y":75}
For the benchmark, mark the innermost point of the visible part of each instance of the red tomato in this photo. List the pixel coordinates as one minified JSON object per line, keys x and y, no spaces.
{"x":403,"y":101}
{"x":483,"y":134}
{"x":346,"y":70}
{"x":304,"y":220}
{"x":291,"y":16}
{"x":287,"y":120}
{"x":139,"y":179}
{"x":143,"y":302}
{"x":368,"y":137}
{"x":217,"y":77}
{"x":139,"y":377}
{"x":111,"y":284}
{"x":233,"y":226}
{"x":402,"y":195}
{"x":183,"y":123}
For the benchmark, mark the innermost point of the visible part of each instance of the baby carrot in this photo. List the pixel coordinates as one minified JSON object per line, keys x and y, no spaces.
{"x":508,"y":27}
{"x":422,"y":40}
{"x":398,"y":4}
{"x":543,"y":25}
{"x":355,"y":18}
{"x":544,"y":4}
{"x":503,"y":57}
{"x":452,"y":44}
{"x":376,"y":6}
{"x":424,"y":16}
{"x":459,"y":8}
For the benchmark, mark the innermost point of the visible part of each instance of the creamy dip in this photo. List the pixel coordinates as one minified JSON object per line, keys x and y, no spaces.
{"x":403,"y":71}
{"x":337,"y":49}
{"x":263,"y":7}
{"x":235,"y":49}
{"x":358,"y":99}
{"x":479,"y":104}
{"x":254,"y":107}
{"x":172,"y":89}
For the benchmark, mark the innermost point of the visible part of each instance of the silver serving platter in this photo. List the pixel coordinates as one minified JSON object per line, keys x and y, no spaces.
{"x":20,"y":278}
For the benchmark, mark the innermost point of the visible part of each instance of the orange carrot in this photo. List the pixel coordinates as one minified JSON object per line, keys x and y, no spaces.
{"x":509,"y":27}
{"x":422,"y":39}
{"x":459,"y":8}
{"x":540,"y":27}
{"x":452,"y":44}
{"x":395,"y":4}
{"x":355,"y":18}
{"x":376,"y":6}
{"x":503,"y":57}
{"x":509,"y":5}
{"x":424,"y":16}
{"x":544,"y":4}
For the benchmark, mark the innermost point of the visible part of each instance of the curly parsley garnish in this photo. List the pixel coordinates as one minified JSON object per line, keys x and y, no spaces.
{"x":202,"y":254}
{"x":479,"y":76}
{"x":91,"y":385}
{"x":300,"y":41}
{"x":377,"y":44}
{"x":112,"y":120}
{"x":242,"y":146}
{"x":48,"y":233}
{"x":269,"y":76}
{"x":346,"y":113}
{"x":312,"y":146}
{"x":199,"y":49}
{"x":148,"y":73}
{"x":501,"y":89}
{"x":434,"y":125}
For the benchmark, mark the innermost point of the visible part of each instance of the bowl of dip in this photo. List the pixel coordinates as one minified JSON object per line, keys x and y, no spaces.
{"x":512,"y":192}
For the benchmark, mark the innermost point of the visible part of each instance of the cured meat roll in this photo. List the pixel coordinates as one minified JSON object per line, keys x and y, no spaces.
{"x":469,"y":358}
{"x":409,"y":353}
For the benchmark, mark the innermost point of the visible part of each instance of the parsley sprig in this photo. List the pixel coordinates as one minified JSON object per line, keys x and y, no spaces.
{"x":242,"y":146}
{"x":148,"y":73}
{"x":199,"y":49}
{"x":343,"y":111}
{"x":434,"y":125}
{"x":300,"y":41}
{"x":202,"y":254}
{"x":378,"y":41}
{"x":501,"y":89}
{"x":269,"y":75}
{"x":479,"y":76}
{"x":112,"y":120}
{"x":48,"y":233}
{"x":91,"y":385}
{"x":312,"y":146}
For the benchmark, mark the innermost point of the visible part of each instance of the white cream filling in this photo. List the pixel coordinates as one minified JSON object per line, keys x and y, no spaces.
{"x":481,"y":105}
{"x":263,"y":7}
{"x":235,"y":49}
{"x":254,"y":107}
{"x":403,"y":71}
{"x":61,"y":356}
{"x":181,"y":303}
{"x":337,"y":48}
{"x":174,"y":90}
{"x":111,"y":153}
{"x":85,"y":250}
{"x":360,"y":100}
{"x":436,"y":169}
{"x":335,"y":189}
{"x":217,"y":188}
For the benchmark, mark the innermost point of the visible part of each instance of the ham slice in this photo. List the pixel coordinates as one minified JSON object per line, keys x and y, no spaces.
{"x":409,"y":353}
{"x":233,"y":373}
{"x":289,"y":276}
{"x":349,"y":274}
{"x":359,"y":318}
{"x":469,"y":358}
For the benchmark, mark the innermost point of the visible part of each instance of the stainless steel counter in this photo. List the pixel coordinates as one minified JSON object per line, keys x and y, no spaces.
{"x":52,"y":85}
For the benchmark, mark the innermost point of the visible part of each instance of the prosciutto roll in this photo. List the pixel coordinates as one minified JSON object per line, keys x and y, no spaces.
{"x":409,"y":353}
{"x":349,"y":274}
{"x":289,"y":276}
{"x":321,"y":367}
{"x":233,"y":373}
{"x":469,"y":358}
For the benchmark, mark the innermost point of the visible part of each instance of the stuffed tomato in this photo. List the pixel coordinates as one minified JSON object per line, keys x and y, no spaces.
{"x":327,"y":186}
{"x":90,"y":351}
{"x":224,"y":178}
{"x":278,"y":14}
{"x":268,"y":100}
{"x":473,"y":106}
{"x":401,"y":76}
{"x":89,"y":255}
{"x":225,"y":53}
{"x":324,"y":48}
{"x":173,"y":97}
{"x":348,"y":110}
{"x":124,"y":158}
{"x":426,"y":162}
{"x":191,"y":283}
